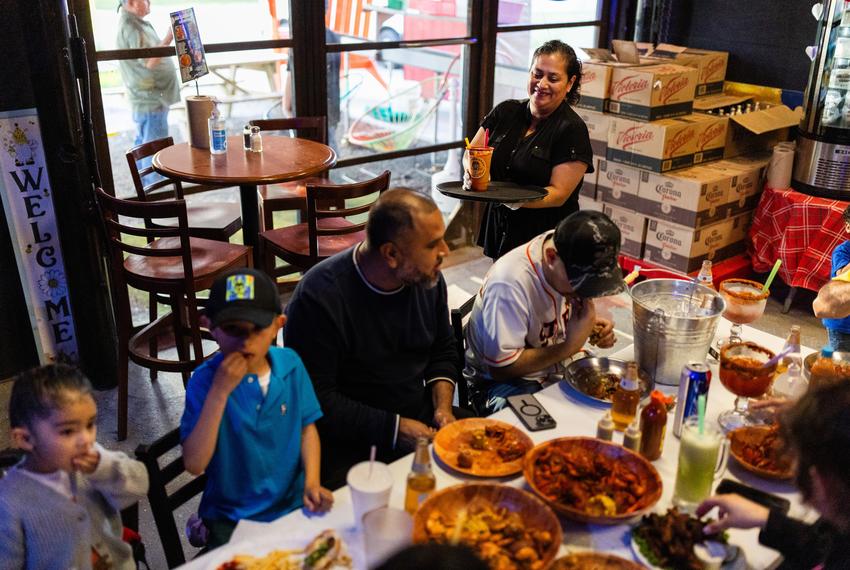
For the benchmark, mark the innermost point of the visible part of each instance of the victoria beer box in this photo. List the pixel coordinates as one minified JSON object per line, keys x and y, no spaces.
{"x":711,"y":137}
{"x":596,"y":79}
{"x":693,"y":197}
{"x":597,"y":129}
{"x":652,"y":92}
{"x":632,"y":229}
{"x":617,"y":184}
{"x":684,"y":249}
{"x":658,"y":146}
{"x":710,"y":65}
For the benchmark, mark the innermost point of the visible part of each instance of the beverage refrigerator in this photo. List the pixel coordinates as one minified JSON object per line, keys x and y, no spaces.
{"x":822,"y":162}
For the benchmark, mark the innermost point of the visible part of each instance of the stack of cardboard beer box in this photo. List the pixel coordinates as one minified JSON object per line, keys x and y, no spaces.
{"x":681,"y":185}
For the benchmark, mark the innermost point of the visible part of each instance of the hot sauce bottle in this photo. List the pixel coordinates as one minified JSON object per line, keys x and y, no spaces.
{"x":653,"y":426}
{"x":626,"y":398}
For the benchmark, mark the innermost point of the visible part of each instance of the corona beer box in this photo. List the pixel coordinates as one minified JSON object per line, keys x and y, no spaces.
{"x":617,"y":184}
{"x":652,"y":92}
{"x":597,"y":129}
{"x":693,"y":197}
{"x":710,"y":65}
{"x":588,"y":185}
{"x":747,"y":180}
{"x":684,"y":249}
{"x":658,"y":146}
{"x":632,"y":229}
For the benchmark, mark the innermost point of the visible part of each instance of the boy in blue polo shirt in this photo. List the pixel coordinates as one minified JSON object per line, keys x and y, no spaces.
{"x":250,"y":413}
{"x":839,"y":329}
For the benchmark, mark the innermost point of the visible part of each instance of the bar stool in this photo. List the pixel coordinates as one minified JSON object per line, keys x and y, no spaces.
{"x":327,"y":230}
{"x":164,"y":262}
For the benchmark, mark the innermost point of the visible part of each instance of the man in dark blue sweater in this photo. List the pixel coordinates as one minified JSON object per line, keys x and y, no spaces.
{"x":372,"y":327}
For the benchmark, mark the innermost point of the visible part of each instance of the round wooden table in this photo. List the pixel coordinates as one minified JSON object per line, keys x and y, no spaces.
{"x":282,"y":159}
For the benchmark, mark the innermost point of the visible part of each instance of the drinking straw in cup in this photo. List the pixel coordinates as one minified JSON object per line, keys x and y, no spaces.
{"x":770,"y":277}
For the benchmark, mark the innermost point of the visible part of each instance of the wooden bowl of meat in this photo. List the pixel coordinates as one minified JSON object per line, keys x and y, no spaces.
{"x":761,"y":451}
{"x":505,"y":526}
{"x":592,"y":481}
{"x":482,"y":447}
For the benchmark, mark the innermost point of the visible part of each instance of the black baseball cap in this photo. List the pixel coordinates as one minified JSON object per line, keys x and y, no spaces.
{"x":244,"y":295}
{"x":588,"y":243}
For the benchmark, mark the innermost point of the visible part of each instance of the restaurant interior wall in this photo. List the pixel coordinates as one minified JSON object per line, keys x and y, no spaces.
{"x":765,"y":39}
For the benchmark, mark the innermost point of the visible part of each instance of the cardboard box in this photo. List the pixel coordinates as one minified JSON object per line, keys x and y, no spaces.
{"x":588,"y":185}
{"x":740,"y":226}
{"x":617,"y":184}
{"x":710,"y":65}
{"x":747,"y":174}
{"x":658,"y":146}
{"x":693,"y":197}
{"x":711,"y":137}
{"x":652,"y":92}
{"x":597,"y":129}
{"x":632,"y":229}
{"x":760,"y":130}
{"x":585,"y":203}
{"x":684,"y":249}
{"x":596,"y":83}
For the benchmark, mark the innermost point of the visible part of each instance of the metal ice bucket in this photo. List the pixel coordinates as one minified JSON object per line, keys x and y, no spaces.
{"x":667,"y":339}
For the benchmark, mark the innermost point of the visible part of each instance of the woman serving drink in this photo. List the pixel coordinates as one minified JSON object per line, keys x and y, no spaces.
{"x":539,"y":141}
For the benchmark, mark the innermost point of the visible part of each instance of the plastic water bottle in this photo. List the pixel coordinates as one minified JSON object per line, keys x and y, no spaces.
{"x":218,"y":133}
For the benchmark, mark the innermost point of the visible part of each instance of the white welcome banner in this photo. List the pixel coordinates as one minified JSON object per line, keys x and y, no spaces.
{"x":28,"y":202}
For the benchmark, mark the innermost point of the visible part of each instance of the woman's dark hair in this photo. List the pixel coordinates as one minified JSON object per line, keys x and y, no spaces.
{"x":573,"y":65}
{"x":818,"y":431}
{"x":39,"y":391}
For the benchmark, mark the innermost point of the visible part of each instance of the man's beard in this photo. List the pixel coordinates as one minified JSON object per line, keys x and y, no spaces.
{"x":412,"y":276}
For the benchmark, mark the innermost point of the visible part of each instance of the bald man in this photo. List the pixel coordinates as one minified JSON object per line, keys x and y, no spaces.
{"x":372,"y":327}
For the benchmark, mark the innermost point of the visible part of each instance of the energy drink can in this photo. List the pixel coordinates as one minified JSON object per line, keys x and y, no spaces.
{"x":694,"y":382}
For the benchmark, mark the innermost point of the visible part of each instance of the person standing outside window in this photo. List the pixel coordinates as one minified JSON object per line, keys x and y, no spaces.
{"x":151,"y":83}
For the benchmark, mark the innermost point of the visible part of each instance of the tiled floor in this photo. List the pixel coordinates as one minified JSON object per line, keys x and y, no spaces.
{"x":156,"y":407}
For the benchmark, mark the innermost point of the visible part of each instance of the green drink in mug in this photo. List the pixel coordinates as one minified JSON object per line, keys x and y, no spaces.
{"x":702,"y":458}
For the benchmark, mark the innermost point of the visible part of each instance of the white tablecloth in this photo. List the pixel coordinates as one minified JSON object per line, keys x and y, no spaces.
{"x":574,"y":418}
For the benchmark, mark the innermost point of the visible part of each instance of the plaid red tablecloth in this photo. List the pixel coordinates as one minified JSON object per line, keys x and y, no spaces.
{"x":799,"y":229}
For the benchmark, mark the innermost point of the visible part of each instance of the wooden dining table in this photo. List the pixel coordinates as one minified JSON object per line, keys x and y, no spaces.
{"x":282,"y":159}
{"x":575,"y":416}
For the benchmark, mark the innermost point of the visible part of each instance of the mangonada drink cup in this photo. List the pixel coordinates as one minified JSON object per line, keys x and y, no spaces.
{"x":479,"y":167}
{"x":370,"y":487}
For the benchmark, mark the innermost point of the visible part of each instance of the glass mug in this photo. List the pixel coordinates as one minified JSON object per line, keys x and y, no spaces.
{"x":702,"y":458}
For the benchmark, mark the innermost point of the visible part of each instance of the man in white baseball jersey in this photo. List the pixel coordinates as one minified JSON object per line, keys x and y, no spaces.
{"x":535,"y":309}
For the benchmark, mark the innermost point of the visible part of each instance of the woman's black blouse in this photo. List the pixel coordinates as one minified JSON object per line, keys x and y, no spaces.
{"x":561,"y":137}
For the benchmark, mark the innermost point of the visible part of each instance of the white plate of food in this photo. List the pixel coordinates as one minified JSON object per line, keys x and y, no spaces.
{"x":325,"y":551}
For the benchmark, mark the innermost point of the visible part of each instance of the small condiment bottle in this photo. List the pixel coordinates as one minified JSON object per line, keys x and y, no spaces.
{"x":605,"y":428}
{"x":246,"y":137}
{"x":625,"y":401}
{"x":256,"y":140}
{"x":632,"y":436}
{"x":653,"y":426}
{"x":420,"y":481}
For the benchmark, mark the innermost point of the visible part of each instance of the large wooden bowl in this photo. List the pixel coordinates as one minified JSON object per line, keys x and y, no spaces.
{"x":452,"y":500}
{"x":635,"y":463}
{"x":449,"y":440}
{"x":753,"y":435}
{"x":594,"y":561}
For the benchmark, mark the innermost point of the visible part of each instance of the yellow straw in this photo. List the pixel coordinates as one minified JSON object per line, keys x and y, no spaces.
{"x":467,"y":141}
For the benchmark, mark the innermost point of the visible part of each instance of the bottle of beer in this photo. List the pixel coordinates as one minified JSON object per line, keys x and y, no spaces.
{"x":705,"y":277}
{"x":626,"y":398}
{"x":420,"y":481}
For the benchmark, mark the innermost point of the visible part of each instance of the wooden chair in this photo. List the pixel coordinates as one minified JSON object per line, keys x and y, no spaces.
{"x":162,"y":261}
{"x":290,"y":195}
{"x":208,"y":220}
{"x":163,"y":503}
{"x":457,"y":317}
{"x":326,"y":232}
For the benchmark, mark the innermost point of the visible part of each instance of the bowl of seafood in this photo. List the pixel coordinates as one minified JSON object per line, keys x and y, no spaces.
{"x":761,"y":451}
{"x":508,"y":528}
{"x":592,"y":481}
{"x":596,"y":378}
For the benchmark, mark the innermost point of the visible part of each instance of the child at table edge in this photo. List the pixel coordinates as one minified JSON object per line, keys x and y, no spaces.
{"x":60,"y":505}
{"x":838,"y":330}
{"x":250,"y":413}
